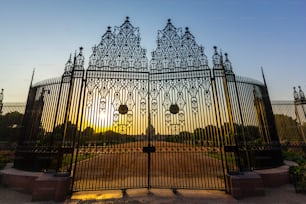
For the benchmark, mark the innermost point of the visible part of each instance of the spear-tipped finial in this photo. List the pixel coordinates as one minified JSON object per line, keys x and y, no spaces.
{"x":263,"y":76}
{"x":33,"y":72}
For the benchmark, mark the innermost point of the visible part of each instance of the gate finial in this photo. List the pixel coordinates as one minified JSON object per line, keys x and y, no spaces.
{"x":227,"y":63}
{"x":295,"y":94}
{"x":216,"y":58}
{"x":301,"y":93}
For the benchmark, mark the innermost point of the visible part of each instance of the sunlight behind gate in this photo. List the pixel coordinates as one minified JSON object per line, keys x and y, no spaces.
{"x":103,"y":122}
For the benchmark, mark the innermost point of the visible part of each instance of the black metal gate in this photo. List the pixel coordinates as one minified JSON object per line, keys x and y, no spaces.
{"x":126,"y":122}
{"x":159,"y":128}
{"x":123,"y":145}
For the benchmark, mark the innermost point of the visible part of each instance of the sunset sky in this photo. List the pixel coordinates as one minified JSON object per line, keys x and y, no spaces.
{"x":41,"y":34}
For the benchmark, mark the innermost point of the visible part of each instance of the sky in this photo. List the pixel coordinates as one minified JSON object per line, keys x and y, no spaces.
{"x":41,"y":34}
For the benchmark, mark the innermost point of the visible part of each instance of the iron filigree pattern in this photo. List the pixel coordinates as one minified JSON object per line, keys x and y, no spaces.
{"x":178,"y":52}
{"x":76,"y":65}
{"x":219,"y":63}
{"x":68,"y":67}
{"x":119,"y":51}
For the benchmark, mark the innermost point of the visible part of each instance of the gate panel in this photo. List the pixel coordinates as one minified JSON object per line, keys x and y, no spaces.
{"x":184,"y":131}
{"x":113,"y":132}
{"x":186,"y":127}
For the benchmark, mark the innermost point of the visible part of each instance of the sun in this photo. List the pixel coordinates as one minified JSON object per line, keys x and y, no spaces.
{"x":103,"y":115}
{"x":99,"y":117}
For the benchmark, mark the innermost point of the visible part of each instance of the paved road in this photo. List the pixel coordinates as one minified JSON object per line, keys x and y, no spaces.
{"x":280,"y":195}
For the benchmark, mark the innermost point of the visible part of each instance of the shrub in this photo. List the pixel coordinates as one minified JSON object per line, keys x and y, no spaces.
{"x":6,"y":156}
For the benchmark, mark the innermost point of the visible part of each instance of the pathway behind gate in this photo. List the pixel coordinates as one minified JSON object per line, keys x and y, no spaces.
{"x":173,"y":165}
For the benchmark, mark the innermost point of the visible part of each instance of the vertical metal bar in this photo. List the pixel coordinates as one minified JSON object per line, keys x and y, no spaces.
{"x":269,"y":113}
{"x":242,"y":122}
{"x":230,"y":115}
{"x":219,"y":126}
{"x":77,"y":132}
{"x":149,"y":134}
{"x":56,"y":112}
{"x":71,"y":85}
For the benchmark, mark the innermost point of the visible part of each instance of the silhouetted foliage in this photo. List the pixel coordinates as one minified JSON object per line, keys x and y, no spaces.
{"x":287,"y":129}
{"x":89,"y":137}
{"x":10,"y":126}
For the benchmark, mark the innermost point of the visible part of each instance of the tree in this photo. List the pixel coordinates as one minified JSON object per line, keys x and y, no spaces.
{"x":287,"y":128}
{"x":10,"y":124}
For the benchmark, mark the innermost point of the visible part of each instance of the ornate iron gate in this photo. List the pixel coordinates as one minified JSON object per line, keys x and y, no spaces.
{"x":150,"y":129}
{"x":125,"y":122}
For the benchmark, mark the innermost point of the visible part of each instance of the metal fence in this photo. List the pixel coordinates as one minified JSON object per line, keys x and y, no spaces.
{"x":13,"y":107}
{"x":125,"y":122}
{"x":290,"y":121}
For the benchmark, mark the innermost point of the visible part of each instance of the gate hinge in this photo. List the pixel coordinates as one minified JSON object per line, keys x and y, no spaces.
{"x":148,"y":149}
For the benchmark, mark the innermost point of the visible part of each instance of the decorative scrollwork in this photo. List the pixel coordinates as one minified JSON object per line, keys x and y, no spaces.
{"x":79,"y":60}
{"x":116,"y":100}
{"x":119,"y":50}
{"x":68,"y":67}
{"x":179,"y":81}
{"x":104,"y":88}
{"x":143,"y":92}
{"x":205,"y":84}
{"x":177,"y":51}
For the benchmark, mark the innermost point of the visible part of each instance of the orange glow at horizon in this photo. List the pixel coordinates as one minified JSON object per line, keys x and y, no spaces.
{"x":103,"y":122}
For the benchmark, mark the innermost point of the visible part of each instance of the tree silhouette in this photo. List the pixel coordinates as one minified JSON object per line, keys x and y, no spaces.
{"x":10,"y":124}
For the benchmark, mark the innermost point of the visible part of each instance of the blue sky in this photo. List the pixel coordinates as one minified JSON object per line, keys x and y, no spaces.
{"x":41,"y":34}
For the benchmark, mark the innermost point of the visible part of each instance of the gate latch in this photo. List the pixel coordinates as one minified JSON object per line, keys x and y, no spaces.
{"x":149,"y":149}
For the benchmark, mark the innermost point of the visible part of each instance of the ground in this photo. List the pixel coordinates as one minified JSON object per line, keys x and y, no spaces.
{"x":281,"y":195}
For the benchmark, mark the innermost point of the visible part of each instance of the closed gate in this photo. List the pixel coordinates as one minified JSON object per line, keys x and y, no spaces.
{"x":162,"y":125}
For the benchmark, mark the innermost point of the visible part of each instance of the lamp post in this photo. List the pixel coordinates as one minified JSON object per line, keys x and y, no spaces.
{"x":299,"y":100}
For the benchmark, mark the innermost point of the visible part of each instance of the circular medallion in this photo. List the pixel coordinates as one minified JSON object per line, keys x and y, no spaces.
{"x":174,"y":109}
{"x":123,"y":109}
